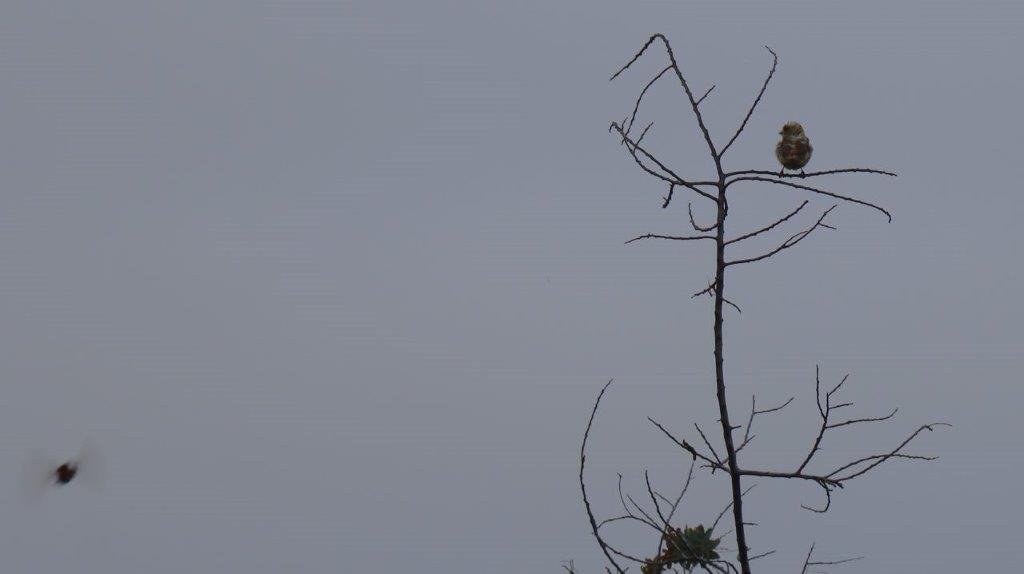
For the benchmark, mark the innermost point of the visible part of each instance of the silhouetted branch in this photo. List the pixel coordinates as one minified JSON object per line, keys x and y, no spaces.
{"x":689,"y":208}
{"x":682,"y":81}
{"x":810,"y":173}
{"x":675,"y":504}
{"x":836,"y":478}
{"x":750,"y":112}
{"x":668,"y":175}
{"x":671,"y":237}
{"x":636,"y":107}
{"x":808,"y":562}
{"x":793,"y":240}
{"x":668,"y":198}
{"x":684,"y":445}
{"x":895,"y":453}
{"x":701,"y":99}
{"x":813,"y":190}
{"x":708,"y":443}
{"x":728,"y":506}
{"x":583,"y":487}
{"x":710,"y":290}
{"x":768,"y":228}
{"x":762,"y":555}
{"x":747,"y":437}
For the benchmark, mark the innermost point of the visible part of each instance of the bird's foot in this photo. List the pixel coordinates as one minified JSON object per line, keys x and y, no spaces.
{"x":802,"y":174}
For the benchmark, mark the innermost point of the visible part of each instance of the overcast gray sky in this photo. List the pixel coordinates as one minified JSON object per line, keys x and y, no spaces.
{"x":333,"y":284}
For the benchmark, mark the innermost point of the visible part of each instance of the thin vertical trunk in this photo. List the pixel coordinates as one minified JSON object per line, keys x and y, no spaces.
{"x":723,"y":408}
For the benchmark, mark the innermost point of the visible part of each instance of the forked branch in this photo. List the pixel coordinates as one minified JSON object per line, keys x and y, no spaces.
{"x":793,"y":240}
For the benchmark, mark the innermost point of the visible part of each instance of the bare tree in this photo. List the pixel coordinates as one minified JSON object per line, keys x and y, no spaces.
{"x":697,"y":548}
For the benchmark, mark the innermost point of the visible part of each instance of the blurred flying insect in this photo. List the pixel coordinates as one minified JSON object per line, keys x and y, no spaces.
{"x":42,"y":473}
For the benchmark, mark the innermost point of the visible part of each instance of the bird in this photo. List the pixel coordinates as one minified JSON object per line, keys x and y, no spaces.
{"x":65,"y":473}
{"x":794,"y":149}
{"x":41,"y":473}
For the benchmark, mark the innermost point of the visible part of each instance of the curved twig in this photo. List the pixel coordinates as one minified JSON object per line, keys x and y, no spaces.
{"x":583,"y":487}
{"x":693,"y":222}
{"x":671,"y":237}
{"x":682,"y":81}
{"x":750,"y":112}
{"x":793,"y":240}
{"x":811,"y":173}
{"x":672,"y":177}
{"x":813,"y":190}
{"x":770,"y":227}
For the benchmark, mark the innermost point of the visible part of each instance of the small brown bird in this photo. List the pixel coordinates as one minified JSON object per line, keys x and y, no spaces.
{"x":65,"y":472}
{"x":794,"y":149}
{"x":40,"y":472}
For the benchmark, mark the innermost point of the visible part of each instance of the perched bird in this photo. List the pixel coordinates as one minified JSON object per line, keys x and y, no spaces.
{"x":794,"y":149}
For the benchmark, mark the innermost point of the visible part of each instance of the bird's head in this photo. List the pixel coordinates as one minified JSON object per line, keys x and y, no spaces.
{"x":792,"y":129}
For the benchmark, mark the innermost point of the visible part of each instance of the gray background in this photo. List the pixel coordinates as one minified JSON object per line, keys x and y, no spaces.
{"x":334,"y":284}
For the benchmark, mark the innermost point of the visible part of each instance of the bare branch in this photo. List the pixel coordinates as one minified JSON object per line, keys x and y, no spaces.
{"x":708,"y":443}
{"x":747,"y":437}
{"x":810,"y":174}
{"x":895,"y":453}
{"x":864,"y":420}
{"x":654,"y":499}
{"x":675,"y":504}
{"x":798,"y":475}
{"x":646,"y":519}
{"x":689,"y":207}
{"x":770,"y":227}
{"x":828,"y":500}
{"x":682,"y":81}
{"x":809,"y":562}
{"x":824,"y":411}
{"x":634,"y":147}
{"x":793,"y":240}
{"x":750,"y":112}
{"x":636,"y":107}
{"x":671,"y":237}
{"x":813,"y":190}
{"x":668,"y":198}
{"x":583,"y":487}
{"x":710,"y":291}
{"x":634,"y":58}
{"x":668,"y":175}
{"x":836,"y":478}
{"x":728,"y":506}
{"x":616,"y":519}
{"x":701,"y":99}
{"x":684,"y":445}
